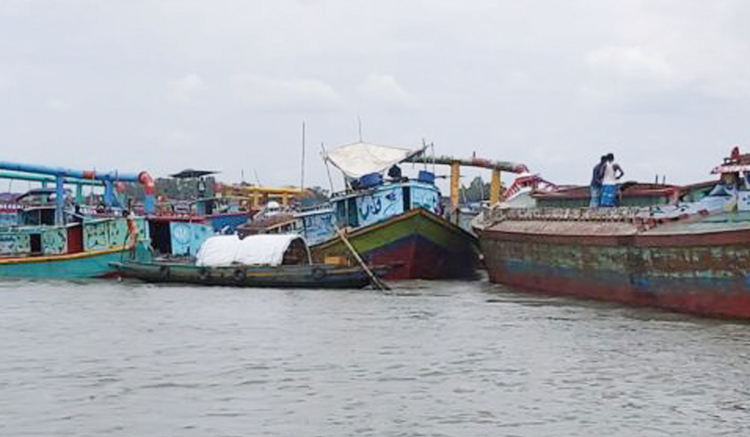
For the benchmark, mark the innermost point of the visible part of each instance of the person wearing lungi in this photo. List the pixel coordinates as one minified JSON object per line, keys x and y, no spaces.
{"x":612,"y":173}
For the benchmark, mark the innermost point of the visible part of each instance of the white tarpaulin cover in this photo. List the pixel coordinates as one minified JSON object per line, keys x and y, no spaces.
{"x":226,"y":250}
{"x":218,"y":251}
{"x":359,"y":159}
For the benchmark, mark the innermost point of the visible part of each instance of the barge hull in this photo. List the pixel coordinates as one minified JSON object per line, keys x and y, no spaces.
{"x":705,"y":273}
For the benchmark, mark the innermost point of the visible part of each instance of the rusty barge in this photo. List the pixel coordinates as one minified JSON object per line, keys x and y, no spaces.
{"x":687,"y":257}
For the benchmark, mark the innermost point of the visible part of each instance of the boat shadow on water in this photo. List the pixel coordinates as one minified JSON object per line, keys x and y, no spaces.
{"x":502,"y":294}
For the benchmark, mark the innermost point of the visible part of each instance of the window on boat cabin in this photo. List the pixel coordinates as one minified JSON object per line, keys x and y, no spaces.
{"x":346,"y":213}
{"x":407,"y":198}
{"x":48,"y":217}
{"x":353,"y":216}
{"x":30,"y":217}
{"x":38,"y":216}
{"x":721,"y":190}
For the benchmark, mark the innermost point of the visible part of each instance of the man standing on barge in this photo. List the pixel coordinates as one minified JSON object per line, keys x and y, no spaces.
{"x":611,"y":173}
{"x":596,"y":182}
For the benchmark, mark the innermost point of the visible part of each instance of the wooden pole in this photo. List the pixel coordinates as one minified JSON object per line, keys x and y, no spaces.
{"x":455,"y":179}
{"x":376,"y":282}
{"x":495,"y":187}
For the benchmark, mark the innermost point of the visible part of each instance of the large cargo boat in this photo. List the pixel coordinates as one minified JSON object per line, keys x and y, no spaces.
{"x":416,"y":244}
{"x":393,"y":220}
{"x":688,"y":257}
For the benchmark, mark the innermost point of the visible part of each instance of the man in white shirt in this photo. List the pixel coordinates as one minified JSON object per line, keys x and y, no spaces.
{"x":611,"y":174}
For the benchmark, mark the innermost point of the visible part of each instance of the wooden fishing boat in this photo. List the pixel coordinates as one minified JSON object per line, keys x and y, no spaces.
{"x":690,"y":257}
{"x":416,"y":244}
{"x":281,"y":261}
{"x":284,"y":276}
{"x":395,"y":221}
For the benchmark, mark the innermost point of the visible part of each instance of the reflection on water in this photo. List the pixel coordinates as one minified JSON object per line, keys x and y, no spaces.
{"x":428,"y":358}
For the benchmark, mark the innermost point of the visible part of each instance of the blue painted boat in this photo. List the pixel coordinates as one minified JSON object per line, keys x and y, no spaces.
{"x":394,"y":221}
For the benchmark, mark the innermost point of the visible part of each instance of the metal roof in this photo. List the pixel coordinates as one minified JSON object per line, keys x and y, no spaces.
{"x":192,"y":173}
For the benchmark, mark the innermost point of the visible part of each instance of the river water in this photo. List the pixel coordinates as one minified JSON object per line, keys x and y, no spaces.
{"x":428,"y":359}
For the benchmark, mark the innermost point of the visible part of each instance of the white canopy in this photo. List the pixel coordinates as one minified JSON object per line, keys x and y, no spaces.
{"x":264,"y":249}
{"x":359,"y":159}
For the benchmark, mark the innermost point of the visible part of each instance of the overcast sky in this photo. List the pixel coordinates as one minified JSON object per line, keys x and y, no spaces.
{"x":226,"y":84}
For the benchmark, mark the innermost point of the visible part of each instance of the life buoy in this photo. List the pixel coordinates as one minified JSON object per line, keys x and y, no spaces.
{"x":318,"y":273}
{"x":164,"y":273}
{"x":204,"y":273}
{"x":240,"y":275}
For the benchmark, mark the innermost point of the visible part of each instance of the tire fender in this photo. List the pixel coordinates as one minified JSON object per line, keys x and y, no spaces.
{"x":204,"y":273}
{"x":239,"y":275}
{"x":318,"y":273}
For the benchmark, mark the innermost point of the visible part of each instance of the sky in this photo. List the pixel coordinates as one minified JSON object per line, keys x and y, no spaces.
{"x":163,"y":85}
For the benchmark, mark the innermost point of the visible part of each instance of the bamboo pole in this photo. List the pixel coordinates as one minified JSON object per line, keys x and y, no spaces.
{"x":376,"y":282}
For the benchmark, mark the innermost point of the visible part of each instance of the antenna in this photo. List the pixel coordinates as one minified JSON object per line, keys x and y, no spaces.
{"x":302,"y":171}
{"x":328,"y":170}
{"x":432,"y":146}
{"x":359,"y":123}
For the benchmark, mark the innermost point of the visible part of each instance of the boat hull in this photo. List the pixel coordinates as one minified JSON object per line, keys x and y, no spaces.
{"x":67,"y":266}
{"x":416,"y":245}
{"x":698,"y":268}
{"x":286,"y":276}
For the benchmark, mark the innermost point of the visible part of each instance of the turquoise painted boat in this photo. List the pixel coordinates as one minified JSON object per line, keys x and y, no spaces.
{"x":73,"y":251}
{"x":48,"y":233}
{"x":66,"y":266}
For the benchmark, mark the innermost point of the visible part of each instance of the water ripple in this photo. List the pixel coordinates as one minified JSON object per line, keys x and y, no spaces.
{"x":431,"y":358}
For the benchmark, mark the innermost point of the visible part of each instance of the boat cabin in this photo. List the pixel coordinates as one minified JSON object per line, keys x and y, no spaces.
{"x":379,"y":200}
{"x":316,"y":224}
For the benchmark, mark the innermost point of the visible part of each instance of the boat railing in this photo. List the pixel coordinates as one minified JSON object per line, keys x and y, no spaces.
{"x":315,"y":208}
{"x":353,"y":192}
{"x":634,"y":215}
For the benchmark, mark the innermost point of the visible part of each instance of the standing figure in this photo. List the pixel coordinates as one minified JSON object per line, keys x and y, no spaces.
{"x":611,"y":174}
{"x":595,"y":188}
